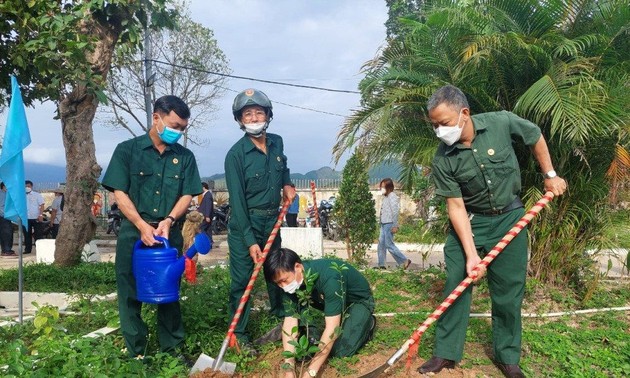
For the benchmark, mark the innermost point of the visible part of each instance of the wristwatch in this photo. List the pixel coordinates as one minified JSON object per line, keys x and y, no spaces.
{"x":550,"y":174}
{"x":312,"y":373}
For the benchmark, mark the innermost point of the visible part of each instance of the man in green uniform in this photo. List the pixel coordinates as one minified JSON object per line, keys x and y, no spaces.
{"x":338,"y":289}
{"x":153,"y":179}
{"x":256,"y":173}
{"x":476,"y":170}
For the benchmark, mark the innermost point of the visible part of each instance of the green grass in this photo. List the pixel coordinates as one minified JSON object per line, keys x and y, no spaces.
{"x":595,"y":345}
{"x":417,"y":231}
{"x":84,"y":278}
{"x":619,"y":230}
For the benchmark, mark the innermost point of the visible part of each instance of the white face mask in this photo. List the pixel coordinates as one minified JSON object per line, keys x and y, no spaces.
{"x":383,"y":191}
{"x":450,"y":134}
{"x":293,"y":286}
{"x":28,"y":190}
{"x":255,"y":129}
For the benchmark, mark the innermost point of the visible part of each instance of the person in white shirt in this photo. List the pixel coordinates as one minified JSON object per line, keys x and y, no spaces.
{"x":56,"y":212}
{"x":35,"y":213}
{"x":388,"y":220}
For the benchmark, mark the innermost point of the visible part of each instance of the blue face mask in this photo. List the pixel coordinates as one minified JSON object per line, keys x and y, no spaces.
{"x":169,"y":135}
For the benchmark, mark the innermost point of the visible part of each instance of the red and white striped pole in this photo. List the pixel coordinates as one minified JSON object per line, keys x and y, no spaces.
{"x":230,"y":339}
{"x":412,"y":343}
{"x":315,"y":203}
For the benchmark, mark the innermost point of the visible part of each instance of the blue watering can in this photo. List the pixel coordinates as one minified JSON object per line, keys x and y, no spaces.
{"x":158,"y":270}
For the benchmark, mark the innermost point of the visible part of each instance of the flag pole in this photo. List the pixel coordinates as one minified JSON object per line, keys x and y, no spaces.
{"x":20,"y":275}
{"x":16,"y":139}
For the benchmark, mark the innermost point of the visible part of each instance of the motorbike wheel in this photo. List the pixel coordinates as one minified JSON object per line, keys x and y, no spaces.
{"x":334,"y":235}
{"x":218,"y":226}
{"x":116,"y":226}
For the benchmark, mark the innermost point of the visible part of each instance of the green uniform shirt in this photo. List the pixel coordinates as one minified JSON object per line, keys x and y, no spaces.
{"x":485,"y":175}
{"x":254,"y":181}
{"x":153,"y":182}
{"x":333,"y":291}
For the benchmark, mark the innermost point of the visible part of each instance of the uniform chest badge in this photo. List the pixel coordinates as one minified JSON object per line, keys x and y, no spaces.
{"x":278,"y":158}
{"x":175,"y":161}
{"x":491,"y":152}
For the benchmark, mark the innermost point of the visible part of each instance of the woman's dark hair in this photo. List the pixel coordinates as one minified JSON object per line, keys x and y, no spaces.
{"x":280,"y":260}
{"x":166,"y":104}
{"x":388,"y":184}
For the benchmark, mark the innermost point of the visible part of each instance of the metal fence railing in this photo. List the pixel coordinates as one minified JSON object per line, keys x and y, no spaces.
{"x":221,"y":186}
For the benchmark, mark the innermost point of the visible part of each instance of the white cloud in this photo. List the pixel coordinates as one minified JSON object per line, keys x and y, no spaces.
{"x":318,"y":43}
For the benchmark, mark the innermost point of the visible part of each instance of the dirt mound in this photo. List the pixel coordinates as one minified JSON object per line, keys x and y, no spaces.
{"x":364,"y":365}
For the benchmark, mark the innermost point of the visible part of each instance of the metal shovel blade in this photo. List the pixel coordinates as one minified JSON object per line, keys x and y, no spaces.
{"x":206,"y":362}
{"x":376,"y":372}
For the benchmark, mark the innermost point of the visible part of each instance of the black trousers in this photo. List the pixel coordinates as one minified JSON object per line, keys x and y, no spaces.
{"x":291,"y":220}
{"x":206,"y":227}
{"x":6,"y":235}
{"x":30,"y":232}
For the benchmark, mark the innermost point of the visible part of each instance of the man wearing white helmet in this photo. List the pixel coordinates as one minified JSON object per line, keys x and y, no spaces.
{"x":255,"y":172}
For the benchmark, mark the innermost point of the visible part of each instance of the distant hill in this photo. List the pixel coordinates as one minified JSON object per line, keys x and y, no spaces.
{"x":389,"y":169}
{"x":40,"y":173}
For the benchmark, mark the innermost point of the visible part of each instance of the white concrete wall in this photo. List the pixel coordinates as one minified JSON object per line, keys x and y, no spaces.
{"x":45,"y":251}
{"x":305,"y":241}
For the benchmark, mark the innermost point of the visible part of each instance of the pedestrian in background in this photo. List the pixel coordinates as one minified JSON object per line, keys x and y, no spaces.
{"x":35,"y":210}
{"x":56,"y":211}
{"x":388,"y":218}
{"x":6,"y":227}
{"x":206,"y":208}
{"x":292,"y":212}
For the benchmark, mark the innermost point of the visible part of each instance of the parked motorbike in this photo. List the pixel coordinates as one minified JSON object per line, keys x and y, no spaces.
{"x":220,"y":218}
{"x":329,"y":226}
{"x":43,"y":229}
{"x":114,"y":217}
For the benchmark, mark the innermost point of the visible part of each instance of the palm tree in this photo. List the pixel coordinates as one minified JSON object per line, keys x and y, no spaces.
{"x":563,"y":65}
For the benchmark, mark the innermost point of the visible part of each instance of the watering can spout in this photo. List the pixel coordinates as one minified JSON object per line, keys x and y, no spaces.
{"x":202,"y":245}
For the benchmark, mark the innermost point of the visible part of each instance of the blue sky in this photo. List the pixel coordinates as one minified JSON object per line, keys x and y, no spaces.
{"x":320,"y":43}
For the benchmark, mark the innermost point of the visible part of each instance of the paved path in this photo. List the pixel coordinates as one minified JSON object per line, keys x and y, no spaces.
{"x":421,"y":255}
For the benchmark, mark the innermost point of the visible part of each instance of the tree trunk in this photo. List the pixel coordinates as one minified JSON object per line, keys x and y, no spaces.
{"x":77,"y":110}
{"x":82,"y":172}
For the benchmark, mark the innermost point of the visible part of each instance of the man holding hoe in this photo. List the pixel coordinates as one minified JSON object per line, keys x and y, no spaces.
{"x":475,"y":168}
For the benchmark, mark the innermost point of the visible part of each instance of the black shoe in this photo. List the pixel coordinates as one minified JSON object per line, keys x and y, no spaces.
{"x":248,"y":349}
{"x":435,"y":365}
{"x":407,"y":263}
{"x":275,"y":334}
{"x":185,"y":361}
{"x":510,"y":371}
{"x":371,"y":331}
{"x":380,"y":267}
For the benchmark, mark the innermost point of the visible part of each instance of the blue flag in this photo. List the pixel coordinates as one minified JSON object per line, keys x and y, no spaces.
{"x":16,"y":138}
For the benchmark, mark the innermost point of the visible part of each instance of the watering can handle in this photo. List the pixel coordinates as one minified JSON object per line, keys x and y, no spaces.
{"x":139,"y":244}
